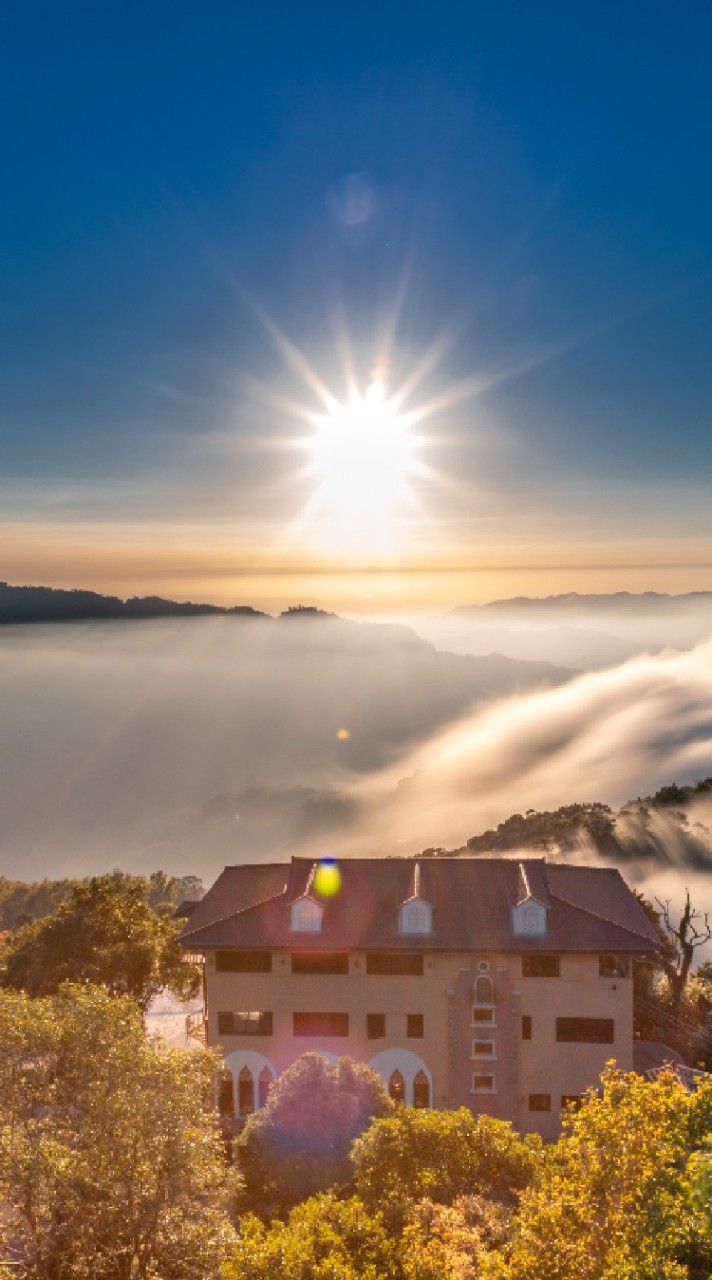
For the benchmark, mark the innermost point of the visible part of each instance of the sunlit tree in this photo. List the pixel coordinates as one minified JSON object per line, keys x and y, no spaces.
{"x":111,"y":1166}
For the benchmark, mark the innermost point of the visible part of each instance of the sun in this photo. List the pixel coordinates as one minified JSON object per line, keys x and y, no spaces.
{"x":363,"y":456}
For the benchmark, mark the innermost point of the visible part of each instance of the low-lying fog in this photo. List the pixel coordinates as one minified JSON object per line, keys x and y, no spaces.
{"x":190,"y":743}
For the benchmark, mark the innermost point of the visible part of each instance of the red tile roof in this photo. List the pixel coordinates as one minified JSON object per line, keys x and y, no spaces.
{"x":589,"y":908}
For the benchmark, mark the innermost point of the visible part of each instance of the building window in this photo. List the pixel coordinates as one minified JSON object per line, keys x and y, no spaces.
{"x":570,"y":1101}
{"x":321,"y":1024}
{"x":264,"y":1085}
{"x":536,"y":966}
{"x":320,"y":962}
{"x":540,"y":1102}
{"x":484,"y":991}
{"x":375,"y":1026}
{"x":526,"y":1026}
{"x":396,"y":1087}
{"x":529,"y":918}
{"x":226,"y":1095}
{"x":394,"y":963}
{"x":585,"y":1030}
{"x":415,"y":917}
{"x":306,"y":916}
{"x":483,"y":1084}
{"x":421,"y":1090}
{"x":245,"y":1024}
{"x":483,"y":1049}
{"x":243,"y":961}
{"x":483,"y":1017}
{"x":245,"y":1092}
{"x":415,"y":1026}
{"x":613,"y":966}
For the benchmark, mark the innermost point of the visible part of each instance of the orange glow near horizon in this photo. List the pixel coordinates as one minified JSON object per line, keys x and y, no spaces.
{"x":162,"y":561}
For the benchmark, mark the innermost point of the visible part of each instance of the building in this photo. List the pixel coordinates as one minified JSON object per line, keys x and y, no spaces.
{"x":502,"y":985}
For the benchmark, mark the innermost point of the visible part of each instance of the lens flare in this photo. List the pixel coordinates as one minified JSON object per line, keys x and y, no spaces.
{"x":327,"y":878}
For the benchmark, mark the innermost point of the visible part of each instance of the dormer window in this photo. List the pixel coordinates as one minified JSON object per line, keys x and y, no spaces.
{"x":529,"y":917}
{"x":415,"y":916}
{"x":306,"y":916}
{"x":529,"y":914}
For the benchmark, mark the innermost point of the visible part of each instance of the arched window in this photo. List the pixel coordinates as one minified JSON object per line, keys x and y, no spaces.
{"x":226,"y":1095}
{"x":396,"y":1087}
{"x":264,"y":1085}
{"x":245,"y":1092}
{"x":421,"y":1090}
{"x":484,"y":991}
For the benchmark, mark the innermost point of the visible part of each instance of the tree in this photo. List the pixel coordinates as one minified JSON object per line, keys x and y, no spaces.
{"x":104,"y":932}
{"x":691,"y":931}
{"x":323,"y":1239}
{"x":452,"y":1242}
{"x":614,"y":1198}
{"x":440,"y":1155}
{"x":298,"y":1143}
{"x":110,"y":1158}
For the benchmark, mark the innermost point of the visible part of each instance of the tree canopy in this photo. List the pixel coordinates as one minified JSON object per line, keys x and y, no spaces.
{"x":105,"y":932}
{"x":111,"y":1166}
{"x":298,"y":1144}
{"x":414,"y":1154}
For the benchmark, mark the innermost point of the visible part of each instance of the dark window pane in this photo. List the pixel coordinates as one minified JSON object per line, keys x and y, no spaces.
{"x":613,"y":966}
{"x":394,"y":962}
{"x":540,"y":1102}
{"x":540,"y":966}
{"x":265,"y":1084}
{"x":421,"y":1090}
{"x":321,"y":1024}
{"x":245,"y":1024}
{"x":226,"y":1096}
{"x":243,"y":961}
{"x":415,"y":1026}
{"x":585,"y":1030}
{"x":320,"y":962}
{"x":483,"y":1082}
{"x":375,"y":1026}
{"x":396,"y":1087}
{"x":245,"y":1092}
{"x":484,"y":990}
{"x":484,"y":1015}
{"x":526,"y":1027}
{"x":572,"y":1100}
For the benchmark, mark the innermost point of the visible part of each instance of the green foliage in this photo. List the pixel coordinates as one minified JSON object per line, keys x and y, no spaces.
{"x":104,"y":932}
{"x":613,"y":1200}
{"x":298,"y":1144}
{"x":440,"y":1155}
{"x":110,"y":1160}
{"x":563,"y":828}
{"x":452,"y":1242}
{"x":21,"y":901}
{"x":323,"y":1239}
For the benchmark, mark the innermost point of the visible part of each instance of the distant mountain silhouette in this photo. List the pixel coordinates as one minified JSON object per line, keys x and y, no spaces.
{"x":572,"y":602}
{"x":49,"y":604}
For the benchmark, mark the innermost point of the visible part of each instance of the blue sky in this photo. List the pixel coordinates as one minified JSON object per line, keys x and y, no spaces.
{"x":534,"y":179}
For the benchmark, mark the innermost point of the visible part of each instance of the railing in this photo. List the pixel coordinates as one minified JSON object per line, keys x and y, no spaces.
{"x":196,"y":1026}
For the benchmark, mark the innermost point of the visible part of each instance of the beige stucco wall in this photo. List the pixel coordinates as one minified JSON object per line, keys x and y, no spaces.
{"x":444,"y":995}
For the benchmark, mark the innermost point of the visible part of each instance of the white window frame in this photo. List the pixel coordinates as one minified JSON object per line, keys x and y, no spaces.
{"x":490,"y":1021}
{"x":487,"y":1056}
{"x":306,"y":916}
{"x":474,"y":1088}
